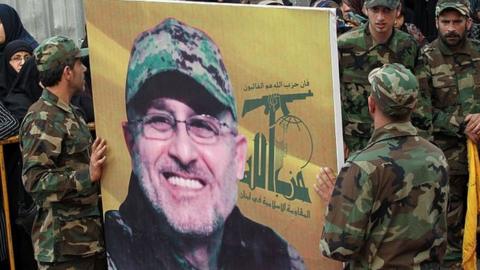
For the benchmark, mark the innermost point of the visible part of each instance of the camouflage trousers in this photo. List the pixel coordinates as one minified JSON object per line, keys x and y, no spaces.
{"x":95,"y":262}
{"x":457,"y":201}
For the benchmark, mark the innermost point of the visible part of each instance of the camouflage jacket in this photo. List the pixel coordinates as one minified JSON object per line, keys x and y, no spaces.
{"x":55,"y":143}
{"x":358,"y":55}
{"x":388,"y":208}
{"x":452,"y":79}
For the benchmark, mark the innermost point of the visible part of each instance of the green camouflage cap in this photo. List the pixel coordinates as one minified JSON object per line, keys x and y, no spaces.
{"x":462,"y":6}
{"x":55,"y":51}
{"x":394,"y":88}
{"x":174,"y":46}
{"x":392,"y":4}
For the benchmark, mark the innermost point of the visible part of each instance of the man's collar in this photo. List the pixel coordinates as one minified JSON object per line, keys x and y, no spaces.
{"x":53,"y":99}
{"x":393,"y":130}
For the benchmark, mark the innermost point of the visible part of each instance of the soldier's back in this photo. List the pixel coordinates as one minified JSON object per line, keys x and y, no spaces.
{"x":407,"y":226}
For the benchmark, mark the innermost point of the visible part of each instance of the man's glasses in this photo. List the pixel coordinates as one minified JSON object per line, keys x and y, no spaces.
{"x":19,"y":58}
{"x":202,"y":128}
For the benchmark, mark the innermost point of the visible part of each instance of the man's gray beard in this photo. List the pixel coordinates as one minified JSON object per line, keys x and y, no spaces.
{"x":186,"y":229}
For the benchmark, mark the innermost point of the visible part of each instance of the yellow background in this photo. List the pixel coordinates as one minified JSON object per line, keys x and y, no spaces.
{"x":258,"y":44}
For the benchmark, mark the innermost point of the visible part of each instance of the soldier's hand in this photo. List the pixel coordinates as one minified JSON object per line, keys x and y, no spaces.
{"x":97,"y":160}
{"x":473,"y":136}
{"x":473,"y":123}
{"x":325,"y":183}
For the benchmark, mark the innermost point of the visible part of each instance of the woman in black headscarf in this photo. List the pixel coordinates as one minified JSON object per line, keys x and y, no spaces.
{"x":15,"y":55}
{"x":25,"y":90}
{"x":13,"y":28}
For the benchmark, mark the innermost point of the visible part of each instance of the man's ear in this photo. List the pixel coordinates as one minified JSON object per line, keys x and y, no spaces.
{"x":469,"y":23}
{"x":436,"y":22}
{"x":67,"y":72}
{"x":240,"y":155}
{"x":127,"y":135}
{"x":371,"y":105}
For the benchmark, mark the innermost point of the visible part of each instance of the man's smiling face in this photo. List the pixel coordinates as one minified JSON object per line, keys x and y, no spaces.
{"x":193,"y":185}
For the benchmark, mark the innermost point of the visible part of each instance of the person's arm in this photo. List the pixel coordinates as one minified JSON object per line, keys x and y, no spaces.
{"x":447,"y":120}
{"x":348,"y":214}
{"x":8,"y":124}
{"x":44,"y":177}
{"x":422,"y":115}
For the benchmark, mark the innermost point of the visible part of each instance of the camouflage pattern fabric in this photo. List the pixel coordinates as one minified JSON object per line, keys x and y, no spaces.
{"x":392,"y":4}
{"x":394,"y":88}
{"x":358,"y":55}
{"x":56,"y":51}
{"x":55,"y":143}
{"x":388,"y":207}
{"x":174,"y":46}
{"x":453,"y":81}
{"x":462,"y":6}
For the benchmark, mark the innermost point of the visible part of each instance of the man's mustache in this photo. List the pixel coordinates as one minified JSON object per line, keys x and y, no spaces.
{"x":452,"y":35}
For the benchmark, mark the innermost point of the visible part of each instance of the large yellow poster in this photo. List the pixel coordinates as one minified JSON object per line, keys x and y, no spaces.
{"x":274,"y":70}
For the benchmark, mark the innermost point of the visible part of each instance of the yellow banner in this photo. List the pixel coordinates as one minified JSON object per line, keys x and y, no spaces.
{"x":282,"y":65}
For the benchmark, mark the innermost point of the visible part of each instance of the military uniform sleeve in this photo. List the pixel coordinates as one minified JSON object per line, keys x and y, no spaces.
{"x":347,"y":219}
{"x":422,"y":117}
{"x":44,"y":175}
{"x":447,"y":120}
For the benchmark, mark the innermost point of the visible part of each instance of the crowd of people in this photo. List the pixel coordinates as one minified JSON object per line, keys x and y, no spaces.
{"x":400,"y":200}
{"x":409,"y":106}
{"x":20,"y":87}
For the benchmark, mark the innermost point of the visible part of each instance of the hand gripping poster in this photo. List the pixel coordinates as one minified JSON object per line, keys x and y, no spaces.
{"x":217,"y":118}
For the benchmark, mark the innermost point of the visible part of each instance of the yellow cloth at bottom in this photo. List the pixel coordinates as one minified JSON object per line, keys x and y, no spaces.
{"x":470,"y":233}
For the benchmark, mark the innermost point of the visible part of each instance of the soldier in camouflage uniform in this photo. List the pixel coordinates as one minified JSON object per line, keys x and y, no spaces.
{"x":388,"y":207}
{"x":61,"y":167}
{"x":187,"y":157}
{"x":449,"y":72}
{"x":361,"y":50}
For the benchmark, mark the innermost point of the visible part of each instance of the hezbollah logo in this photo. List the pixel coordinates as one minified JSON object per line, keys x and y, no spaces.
{"x":266,"y":167}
